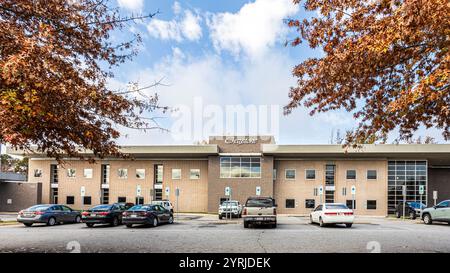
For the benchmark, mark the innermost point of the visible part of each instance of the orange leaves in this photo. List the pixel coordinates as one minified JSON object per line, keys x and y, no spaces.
{"x":392,"y":58}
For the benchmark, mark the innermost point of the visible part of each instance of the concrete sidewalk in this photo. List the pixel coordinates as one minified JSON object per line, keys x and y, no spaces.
{"x":8,"y":216}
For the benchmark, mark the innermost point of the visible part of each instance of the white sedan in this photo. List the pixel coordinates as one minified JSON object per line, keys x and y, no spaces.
{"x":332,"y":213}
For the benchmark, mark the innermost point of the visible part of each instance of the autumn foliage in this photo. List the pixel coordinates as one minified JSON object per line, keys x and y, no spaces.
{"x":387,"y":62}
{"x":55,"y":60}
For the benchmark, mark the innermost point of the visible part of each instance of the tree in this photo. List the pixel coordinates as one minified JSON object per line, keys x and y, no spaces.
{"x":55,"y":60}
{"x":386,"y":61}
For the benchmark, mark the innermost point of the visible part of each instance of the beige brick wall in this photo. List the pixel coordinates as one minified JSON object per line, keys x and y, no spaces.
{"x":301,"y":189}
{"x":44,"y":165}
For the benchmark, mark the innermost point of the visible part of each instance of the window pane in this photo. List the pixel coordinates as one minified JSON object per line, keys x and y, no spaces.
{"x":310,"y":174}
{"x":87,"y":173}
{"x":371,"y":174}
{"x":195,"y":174}
{"x":122,"y":173}
{"x":176,"y":173}
{"x":290,"y":174}
{"x":140,"y":173}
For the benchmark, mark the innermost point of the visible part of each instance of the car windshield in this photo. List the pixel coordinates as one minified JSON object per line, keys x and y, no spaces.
{"x":140,"y":207}
{"x":336,"y":206}
{"x":39,"y":208}
{"x":226,"y":203}
{"x":259,"y":203}
{"x":101,"y":207}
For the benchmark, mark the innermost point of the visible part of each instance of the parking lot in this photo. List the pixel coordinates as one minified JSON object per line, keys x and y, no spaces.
{"x":205,"y":233}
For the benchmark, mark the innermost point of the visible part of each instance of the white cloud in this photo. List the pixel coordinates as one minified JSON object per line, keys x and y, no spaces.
{"x":131,"y":4}
{"x":253,"y":29}
{"x":176,"y":7}
{"x":183,"y":26}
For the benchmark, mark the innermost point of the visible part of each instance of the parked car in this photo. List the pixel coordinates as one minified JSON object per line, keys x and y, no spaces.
{"x":147,"y":215}
{"x":332,"y":213}
{"x":260,"y":211}
{"x":230,"y":208}
{"x":104,"y":214}
{"x":164,"y":203}
{"x":48,"y":214}
{"x":412,"y":209}
{"x":438,"y":213}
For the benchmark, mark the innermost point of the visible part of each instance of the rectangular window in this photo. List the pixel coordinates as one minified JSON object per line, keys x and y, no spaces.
{"x":122,"y":173}
{"x":140,"y":173}
{"x":290,"y":203}
{"x":371,"y":174}
{"x":38,"y":173}
{"x":105,"y":173}
{"x":310,"y":203}
{"x":87,"y":200}
{"x":105,"y":196}
{"x":176,"y":174}
{"x":371,"y":204}
{"x":289,"y":174}
{"x":240,"y":167}
{"x":54,"y":174}
{"x":71,"y":172}
{"x":310,"y":174}
{"x":70,"y":200}
{"x":121,"y":199}
{"x":139,"y":200}
{"x":194,"y":174}
{"x":350,"y":204}
{"x":87,"y":173}
{"x":158,"y":173}
{"x":351,"y":174}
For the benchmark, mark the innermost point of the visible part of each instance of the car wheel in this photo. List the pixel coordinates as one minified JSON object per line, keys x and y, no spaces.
{"x":245,"y":224}
{"x":170,"y":220}
{"x":427,"y":219}
{"x":348,"y":225}
{"x":129,"y":225}
{"x":89,"y":225}
{"x":115,"y":222}
{"x":398,"y":215}
{"x":321,"y":223}
{"x":155,"y":222}
{"x":220,"y":217}
{"x":77,"y":219}
{"x":28,"y":224}
{"x":51,"y":221}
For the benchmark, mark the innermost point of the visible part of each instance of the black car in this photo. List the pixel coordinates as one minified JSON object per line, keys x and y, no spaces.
{"x":412,"y":209}
{"x":48,"y":214}
{"x":147,"y":215}
{"x":104,"y":214}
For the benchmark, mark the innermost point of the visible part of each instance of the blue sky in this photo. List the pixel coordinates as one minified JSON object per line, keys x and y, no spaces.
{"x":225,"y":53}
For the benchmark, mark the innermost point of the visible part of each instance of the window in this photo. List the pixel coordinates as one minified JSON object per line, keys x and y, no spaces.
{"x":310,"y":174}
{"x":54,"y":174}
{"x":344,"y":191}
{"x":158,"y":173}
{"x":105,"y":173}
{"x":310,"y":203}
{"x":289,"y":174}
{"x":121,"y":199}
{"x":240,"y":167}
{"x":351,"y":174}
{"x":194,"y":174}
{"x":290,"y":203}
{"x":70,"y":200}
{"x":86,"y":200}
{"x":87,"y":173}
{"x":105,"y":196}
{"x":350,"y":203}
{"x":371,"y":204}
{"x":71,"y":172}
{"x":139,"y":200}
{"x":122,"y":173}
{"x":140,"y":173}
{"x":37,"y":173}
{"x":176,"y":173}
{"x":371,"y":174}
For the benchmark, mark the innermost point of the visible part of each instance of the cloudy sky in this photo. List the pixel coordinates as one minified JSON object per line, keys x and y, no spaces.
{"x":222,"y":53}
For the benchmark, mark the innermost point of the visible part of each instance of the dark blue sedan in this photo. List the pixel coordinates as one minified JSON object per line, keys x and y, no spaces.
{"x":48,"y":214}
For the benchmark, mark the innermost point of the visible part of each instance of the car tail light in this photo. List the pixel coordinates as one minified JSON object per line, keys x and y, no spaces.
{"x":21,"y":212}
{"x":244,"y":212}
{"x":331,"y":213}
{"x":39,"y":212}
{"x":348,"y":213}
{"x":85,"y":213}
{"x":104,"y":213}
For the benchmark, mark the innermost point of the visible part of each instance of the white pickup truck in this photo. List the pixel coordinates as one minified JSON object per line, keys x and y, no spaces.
{"x":230,"y":208}
{"x":260,"y":211}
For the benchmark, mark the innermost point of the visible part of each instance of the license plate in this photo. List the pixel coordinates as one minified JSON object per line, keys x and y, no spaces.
{"x":259,"y":219}
{"x":133,"y":215}
{"x":93,"y":215}
{"x":28,"y":215}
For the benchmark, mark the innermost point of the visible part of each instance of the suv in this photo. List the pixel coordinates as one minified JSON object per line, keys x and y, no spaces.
{"x":165,"y":204}
{"x":231,"y":207}
{"x":438,"y":213}
{"x":412,"y":209}
{"x":260,"y":211}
